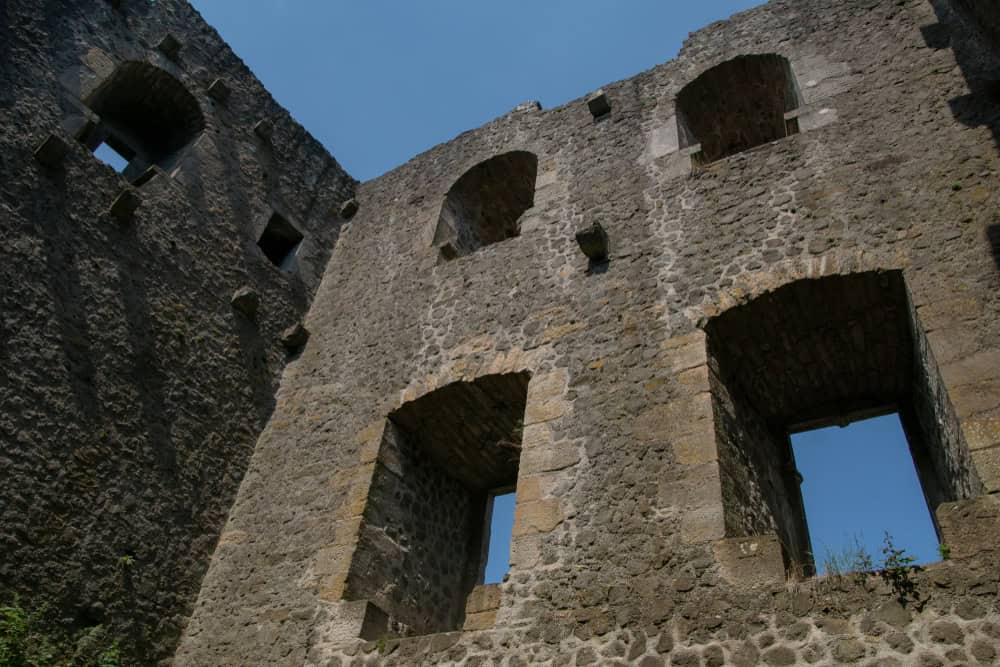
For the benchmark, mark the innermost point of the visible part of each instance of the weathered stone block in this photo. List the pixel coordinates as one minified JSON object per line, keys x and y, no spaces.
{"x":540,"y":516}
{"x":246,"y":300}
{"x":357,"y":619}
{"x":751,"y":561}
{"x":484,"y":597}
{"x":51,"y":152}
{"x":970,"y":527}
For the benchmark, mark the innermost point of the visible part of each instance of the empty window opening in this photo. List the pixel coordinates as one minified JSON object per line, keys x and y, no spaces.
{"x":146,"y":115}
{"x":860,"y":484}
{"x":737,"y":105}
{"x":421,"y":546}
{"x":279,"y":242}
{"x":811,"y":354}
{"x":500,"y":523}
{"x":109,"y":156}
{"x":485,"y":205}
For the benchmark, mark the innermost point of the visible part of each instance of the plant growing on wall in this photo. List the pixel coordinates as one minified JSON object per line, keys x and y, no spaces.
{"x":25,"y":643}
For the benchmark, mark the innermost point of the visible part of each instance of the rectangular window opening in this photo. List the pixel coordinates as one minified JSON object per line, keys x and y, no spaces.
{"x":111,"y":157}
{"x":279,"y":241}
{"x":499,"y":529}
{"x":860,"y":485}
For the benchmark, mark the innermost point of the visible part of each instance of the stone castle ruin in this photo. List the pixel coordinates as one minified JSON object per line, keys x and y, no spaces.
{"x":254,"y":412}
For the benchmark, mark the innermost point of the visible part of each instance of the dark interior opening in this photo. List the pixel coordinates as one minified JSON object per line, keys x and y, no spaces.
{"x":737,"y":105}
{"x":146,"y":114}
{"x":421,"y":549}
{"x":814,"y":353}
{"x":279,"y":241}
{"x":485,"y":205}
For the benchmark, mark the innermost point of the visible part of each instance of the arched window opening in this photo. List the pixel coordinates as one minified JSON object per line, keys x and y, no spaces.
{"x":737,"y":105}
{"x":485,"y":205}
{"x":146,"y":116}
{"x":815,"y":353}
{"x":446,"y":462}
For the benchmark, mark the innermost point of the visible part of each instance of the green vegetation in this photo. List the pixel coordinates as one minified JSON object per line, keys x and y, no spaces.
{"x":25,"y":643}
{"x":896,"y":569}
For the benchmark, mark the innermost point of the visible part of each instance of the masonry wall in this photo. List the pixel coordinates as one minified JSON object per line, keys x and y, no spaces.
{"x":620,"y":551}
{"x":131,"y":391}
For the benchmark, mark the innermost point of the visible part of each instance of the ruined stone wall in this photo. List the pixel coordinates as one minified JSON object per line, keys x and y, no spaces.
{"x":620,"y":552}
{"x":131,"y":391}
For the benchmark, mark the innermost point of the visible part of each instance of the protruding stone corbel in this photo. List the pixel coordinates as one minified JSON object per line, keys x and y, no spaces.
{"x":169,"y":46}
{"x":264,"y":128}
{"x":349,"y":208}
{"x":52,"y":151}
{"x":124,"y":206}
{"x":246,"y":301}
{"x":294,"y":338}
{"x":219,"y":91}
{"x":599,"y":104}
{"x":593,"y":241}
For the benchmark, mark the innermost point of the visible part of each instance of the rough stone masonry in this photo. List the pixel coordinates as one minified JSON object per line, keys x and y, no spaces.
{"x":287,"y":398}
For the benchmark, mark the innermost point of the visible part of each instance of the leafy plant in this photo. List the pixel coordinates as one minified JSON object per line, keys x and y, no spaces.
{"x":944,"y":551}
{"x":897,"y":571}
{"x":24,"y":642}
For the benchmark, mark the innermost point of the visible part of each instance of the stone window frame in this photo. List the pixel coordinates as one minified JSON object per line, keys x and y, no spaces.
{"x":760,"y":559}
{"x":447,"y":240}
{"x":539,"y":507}
{"x":689,"y":142}
{"x":85,"y":89}
{"x":816,"y":80}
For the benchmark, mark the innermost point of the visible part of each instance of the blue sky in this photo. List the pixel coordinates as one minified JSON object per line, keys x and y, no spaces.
{"x":379,"y":81}
{"x":858,"y":483}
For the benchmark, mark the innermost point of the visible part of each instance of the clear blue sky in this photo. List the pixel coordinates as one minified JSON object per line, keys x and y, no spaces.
{"x":858,"y":483}
{"x":379,"y":81}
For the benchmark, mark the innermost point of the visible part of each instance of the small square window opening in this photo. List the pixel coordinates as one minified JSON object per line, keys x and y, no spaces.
{"x":279,"y":242}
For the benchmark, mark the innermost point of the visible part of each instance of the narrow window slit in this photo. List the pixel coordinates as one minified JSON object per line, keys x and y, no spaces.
{"x":500,"y":524}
